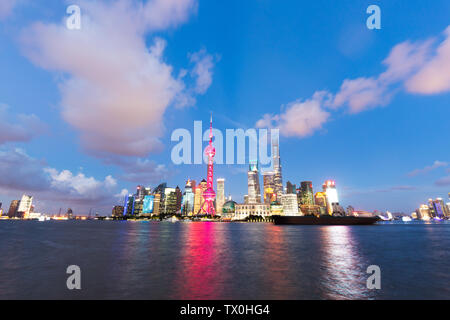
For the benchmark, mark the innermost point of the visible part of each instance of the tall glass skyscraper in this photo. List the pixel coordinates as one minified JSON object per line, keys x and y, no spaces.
{"x":306,"y":195}
{"x":188,"y":198}
{"x":278,"y":180}
{"x":254,"y":189}
{"x":220,"y":200}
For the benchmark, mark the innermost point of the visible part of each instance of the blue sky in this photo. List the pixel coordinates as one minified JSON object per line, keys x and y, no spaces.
{"x":87,"y":113}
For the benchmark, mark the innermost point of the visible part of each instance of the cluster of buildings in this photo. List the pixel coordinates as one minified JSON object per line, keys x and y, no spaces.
{"x":260,"y":202}
{"x":434,"y":209}
{"x":23,"y":209}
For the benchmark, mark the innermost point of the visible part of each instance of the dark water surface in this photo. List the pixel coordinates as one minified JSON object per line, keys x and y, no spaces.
{"x":204,"y":260}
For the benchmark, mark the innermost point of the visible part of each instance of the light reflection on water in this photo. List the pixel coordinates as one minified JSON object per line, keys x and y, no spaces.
{"x":150,"y":260}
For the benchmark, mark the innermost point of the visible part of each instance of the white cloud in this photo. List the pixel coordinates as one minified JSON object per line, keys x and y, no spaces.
{"x":434,"y":76}
{"x":6,"y":8}
{"x":443,"y":182}
{"x":18,"y":128}
{"x":437,"y":164}
{"x":419,"y":67}
{"x":301,"y":118}
{"x":78,"y":185}
{"x":115,"y":90}
{"x":202,"y":71}
{"x":21,"y":173}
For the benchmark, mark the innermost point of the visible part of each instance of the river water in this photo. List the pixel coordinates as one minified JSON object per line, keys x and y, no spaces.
{"x":206,"y":260}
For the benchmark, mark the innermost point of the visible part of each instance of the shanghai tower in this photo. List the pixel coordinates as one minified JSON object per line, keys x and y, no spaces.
{"x":278,"y":180}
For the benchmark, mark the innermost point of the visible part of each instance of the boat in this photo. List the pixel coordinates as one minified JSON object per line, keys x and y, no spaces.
{"x":406,"y":219}
{"x":325,"y":220}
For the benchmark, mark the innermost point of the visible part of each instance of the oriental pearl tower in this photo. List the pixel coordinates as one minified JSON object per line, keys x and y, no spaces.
{"x":209,"y":194}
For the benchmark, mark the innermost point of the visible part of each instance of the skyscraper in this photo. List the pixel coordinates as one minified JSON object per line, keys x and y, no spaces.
{"x":198,"y":196}
{"x":306,"y":193}
{"x":254,"y":189}
{"x":24,"y":208}
{"x":269,"y":186}
{"x":12,"y":212}
{"x":290,"y":188}
{"x":220,"y":195}
{"x":188,"y":198}
{"x":179,"y":198}
{"x":278,"y":180}
{"x":329,"y":187}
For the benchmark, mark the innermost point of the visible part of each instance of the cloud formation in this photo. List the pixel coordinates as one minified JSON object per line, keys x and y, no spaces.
{"x":437,"y":164}
{"x":20,"y":127}
{"x":420,"y":67}
{"x":21,"y":173}
{"x":443,"y":182}
{"x":6,"y":8}
{"x":301,"y":118}
{"x":115,"y":90}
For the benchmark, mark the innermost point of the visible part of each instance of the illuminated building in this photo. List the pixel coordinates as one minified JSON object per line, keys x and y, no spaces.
{"x":423,"y":212}
{"x":431,"y":207}
{"x":69,"y":214}
{"x":440,"y":208}
{"x":148,"y":205}
{"x":269,"y":186}
{"x":329,"y":187}
{"x":276,"y":208}
{"x":179,"y":197}
{"x":25,"y":206}
{"x":277,"y":179}
{"x":209,"y":195}
{"x":306,"y":195}
{"x":12,"y":212}
{"x":243,"y":211}
{"x":170,"y":202}
{"x":157,"y":205}
{"x":290,"y":204}
{"x":320,"y":200}
{"x":198,"y":196}
{"x":228,"y":209}
{"x":188,"y":198}
{"x":117,"y":211}
{"x":220,"y":195}
{"x":246,"y":199}
{"x":254,"y":190}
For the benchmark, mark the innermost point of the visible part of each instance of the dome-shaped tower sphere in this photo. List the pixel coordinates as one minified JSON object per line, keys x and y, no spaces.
{"x":210,"y":151}
{"x":209,"y":194}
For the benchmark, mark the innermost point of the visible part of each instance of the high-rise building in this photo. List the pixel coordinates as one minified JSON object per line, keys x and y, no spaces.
{"x":13,"y":208}
{"x":179,"y":198}
{"x":290,"y":204}
{"x":306,"y":193}
{"x":329,"y":187}
{"x":157,"y":205}
{"x":440,"y":208}
{"x":198,"y":196}
{"x":188,"y":198}
{"x":220,"y":195}
{"x":69,"y":214}
{"x":291,"y":188}
{"x":423,"y":212}
{"x":320,"y":200}
{"x":269,"y":186}
{"x":170,"y":202}
{"x":25,"y":206}
{"x":254,"y":189}
{"x":278,"y":180}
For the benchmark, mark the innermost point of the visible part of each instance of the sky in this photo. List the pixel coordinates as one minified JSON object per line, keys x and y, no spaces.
{"x":87,"y":114}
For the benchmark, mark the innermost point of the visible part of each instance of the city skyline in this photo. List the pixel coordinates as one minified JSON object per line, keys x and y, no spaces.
{"x":370,"y":111}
